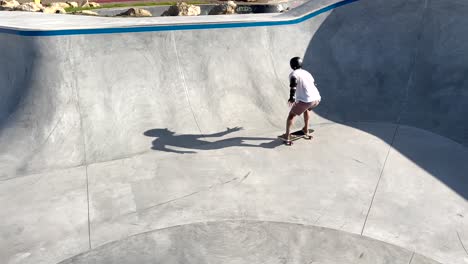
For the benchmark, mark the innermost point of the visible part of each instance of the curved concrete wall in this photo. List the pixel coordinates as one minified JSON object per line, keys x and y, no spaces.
{"x":40,"y":122}
{"x":92,"y":96}
{"x":399,"y":62}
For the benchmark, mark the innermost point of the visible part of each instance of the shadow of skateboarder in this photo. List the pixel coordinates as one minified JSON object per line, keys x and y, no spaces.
{"x":165,"y":139}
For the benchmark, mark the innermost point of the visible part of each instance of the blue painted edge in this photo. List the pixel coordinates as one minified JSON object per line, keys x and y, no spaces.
{"x":65,"y":32}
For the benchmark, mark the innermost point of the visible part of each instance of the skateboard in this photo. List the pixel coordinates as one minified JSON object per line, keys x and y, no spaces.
{"x":295,"y":136}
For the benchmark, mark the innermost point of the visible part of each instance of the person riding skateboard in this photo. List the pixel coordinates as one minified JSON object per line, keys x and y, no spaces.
{"x":303,"y":97}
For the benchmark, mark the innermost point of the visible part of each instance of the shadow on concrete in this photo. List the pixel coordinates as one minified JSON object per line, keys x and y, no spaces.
{"x":17,"y":72}
{"x":166,"y":140}
{"x":373,"y":66}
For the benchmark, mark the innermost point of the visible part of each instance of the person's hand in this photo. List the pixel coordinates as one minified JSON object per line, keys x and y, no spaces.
{"x":290,"y":103}
{"x":234,"y":129}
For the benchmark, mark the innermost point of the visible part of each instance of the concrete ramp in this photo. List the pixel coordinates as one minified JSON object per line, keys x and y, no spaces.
{"x":111,"y":128}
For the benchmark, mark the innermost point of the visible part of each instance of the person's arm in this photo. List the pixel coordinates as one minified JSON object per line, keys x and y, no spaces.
{"x":292,"y":90}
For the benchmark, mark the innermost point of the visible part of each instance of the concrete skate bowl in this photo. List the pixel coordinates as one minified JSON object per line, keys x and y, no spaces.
{"x":94,"y":144}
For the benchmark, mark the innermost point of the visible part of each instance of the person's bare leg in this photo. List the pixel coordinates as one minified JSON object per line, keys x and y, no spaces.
{"x":306,"y":122}
{"x":289,"y":123}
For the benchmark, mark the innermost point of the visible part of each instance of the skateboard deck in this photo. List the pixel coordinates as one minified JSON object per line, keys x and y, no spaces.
{"x":297,"y":135}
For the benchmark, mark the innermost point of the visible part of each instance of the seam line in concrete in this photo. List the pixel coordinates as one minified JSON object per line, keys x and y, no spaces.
{"x":89,"y":218}
{"x":403,"y":108}
{"x":86,"y":171}
{"x":85,"y":158}
{"x":414,"y":58}
{"x":184,"y":83}
{"x":380,"y":177}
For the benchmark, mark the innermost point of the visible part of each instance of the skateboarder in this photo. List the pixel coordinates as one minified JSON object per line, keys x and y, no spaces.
{"x":303,"y":97}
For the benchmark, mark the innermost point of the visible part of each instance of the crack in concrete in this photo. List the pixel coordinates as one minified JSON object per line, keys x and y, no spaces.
{"x":37,"y":149}
{"x":461,"y":243}
{"x":188,"y":195}
{"x":209,"y":188}
{"x":358,"y":161}
{"x":322,"y":213}
{"x":245,"y":177}
{"x":411,"y":259}
{"x":343,"y":225}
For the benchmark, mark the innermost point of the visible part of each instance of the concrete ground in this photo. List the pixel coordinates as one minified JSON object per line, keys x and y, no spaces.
{"x":154,"y":140}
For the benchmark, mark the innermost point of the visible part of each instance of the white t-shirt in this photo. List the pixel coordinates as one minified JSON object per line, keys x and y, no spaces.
{"x":306,"y":91}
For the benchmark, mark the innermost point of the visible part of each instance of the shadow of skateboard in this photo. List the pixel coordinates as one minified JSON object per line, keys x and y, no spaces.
{"x":295,"y":136}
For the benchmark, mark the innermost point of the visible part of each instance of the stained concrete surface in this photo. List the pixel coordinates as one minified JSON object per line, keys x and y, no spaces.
{"x":44,"y":216}
{"x":139,"y":132}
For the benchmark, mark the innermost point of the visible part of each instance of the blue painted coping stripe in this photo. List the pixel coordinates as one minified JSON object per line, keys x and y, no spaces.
{"x":64,"y":32}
